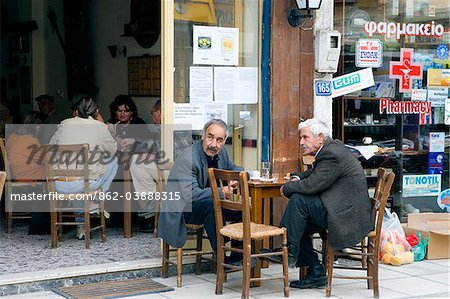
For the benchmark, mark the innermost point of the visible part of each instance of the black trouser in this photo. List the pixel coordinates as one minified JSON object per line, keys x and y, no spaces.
{"x":203,"y":213}
{"x":304,"y":215}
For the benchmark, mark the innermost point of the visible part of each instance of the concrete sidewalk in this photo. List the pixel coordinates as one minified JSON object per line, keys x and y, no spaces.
{"x":425,"y":279}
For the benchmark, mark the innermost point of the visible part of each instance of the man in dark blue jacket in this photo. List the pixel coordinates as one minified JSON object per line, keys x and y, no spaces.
{"x":188,"y":181}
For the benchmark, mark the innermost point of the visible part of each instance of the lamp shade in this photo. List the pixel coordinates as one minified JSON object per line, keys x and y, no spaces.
{"x":308,"y":4}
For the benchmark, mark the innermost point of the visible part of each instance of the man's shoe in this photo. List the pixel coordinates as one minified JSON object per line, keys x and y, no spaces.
{"x":239,"y":263}
{"x":315,"y":278}
{"x":292,"y":260}
{"x":80,"y":232}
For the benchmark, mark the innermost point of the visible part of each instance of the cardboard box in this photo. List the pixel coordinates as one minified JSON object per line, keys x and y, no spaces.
{"x":437,"y":227}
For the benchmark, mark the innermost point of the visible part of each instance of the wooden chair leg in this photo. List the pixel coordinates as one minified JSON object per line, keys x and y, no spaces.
{"x":198,"y":257}
{"x":53,"y":228}
{"x":374,"y":271}
{"x":220,"y":258}
{"x":324,"y":237}
{"x":103,"y":221}
{"x":330,"y":261}
{"x":59,"y":227}
{"x":302,"y":271}
{"x":285,"y":264}
{"x":179,"y":266}
{"x":9,"y":223}
{"x":246,"y":271}
{"x":364,"y":251}
{"x":369,"y":266}
{"x":165,"y":258}
{"x":87,"y":227}
{"x":156,"y":220}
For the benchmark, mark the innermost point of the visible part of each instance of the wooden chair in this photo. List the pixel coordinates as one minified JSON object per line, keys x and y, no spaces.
{"x":2,"y":182}
{"x":163,"y":172}
{"x":11,"y":186}
{"x":193,"y":229}
{"x":245,"y":231}
{"x":58,"y":159}
{"x":369,"y":251}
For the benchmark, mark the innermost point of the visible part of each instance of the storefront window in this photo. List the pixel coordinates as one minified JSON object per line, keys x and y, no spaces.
{"x":406,"y":113}
{"x":216,"y":71}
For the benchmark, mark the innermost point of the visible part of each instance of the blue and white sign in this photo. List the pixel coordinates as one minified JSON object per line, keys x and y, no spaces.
{"x":352,"y":82}
{"x":421,"y":185}
{"x":443,"y":200}
{"x":369,"y":53}
{"x":323,"y":88}
{"x":435,"y":163}
{"x":442,"y":52}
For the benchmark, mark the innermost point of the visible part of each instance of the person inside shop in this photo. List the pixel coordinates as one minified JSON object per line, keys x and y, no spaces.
{"x":188,"y":179}
{"x":181,"y":139}
{"x":86,"y":127}
{"x":134,"y":137}
{"x":324,"y":197}
{"x":24,"y":151}
{"x":46,"y":104}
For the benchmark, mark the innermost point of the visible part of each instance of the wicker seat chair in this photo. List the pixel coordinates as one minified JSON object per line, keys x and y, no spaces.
{"x":193,"y":229}
{"x":369,"y":250}
{"x":245,"y":231}
{"x":14,"y":186}
{"x":58,"y":159}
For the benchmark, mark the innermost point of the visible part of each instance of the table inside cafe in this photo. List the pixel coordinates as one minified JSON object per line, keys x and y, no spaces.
{"x":261,"y":193}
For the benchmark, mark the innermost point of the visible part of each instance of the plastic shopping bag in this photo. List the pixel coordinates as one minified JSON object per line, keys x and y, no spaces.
{"x":420,"y":249}
{"x":395,"y":249}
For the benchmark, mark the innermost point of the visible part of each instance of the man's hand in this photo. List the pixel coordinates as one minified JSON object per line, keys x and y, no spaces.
{"x":99,"y":117}
{"x":228,"y":192}
{"x":281,"y":191}
{"x":233,"y":183}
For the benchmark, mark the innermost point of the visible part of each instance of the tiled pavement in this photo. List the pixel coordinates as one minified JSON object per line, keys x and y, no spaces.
{"x":425,"y":279}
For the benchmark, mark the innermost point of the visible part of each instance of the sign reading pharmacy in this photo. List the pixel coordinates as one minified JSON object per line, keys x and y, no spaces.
{"x":369,"y":53}
{"x":421,"y":185}
{"x":352,"y":82}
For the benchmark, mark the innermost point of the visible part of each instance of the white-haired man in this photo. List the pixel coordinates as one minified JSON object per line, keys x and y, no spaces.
{"x":332,"y":195}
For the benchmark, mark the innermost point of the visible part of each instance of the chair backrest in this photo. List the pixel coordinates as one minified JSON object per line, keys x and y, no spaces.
{"x":379,"y":200}
{"x":2,"y":182}
{"x":10,"y":182}
{"x":238,"y":200}
{"x":306,"y":162}
{"x":67,"y":161}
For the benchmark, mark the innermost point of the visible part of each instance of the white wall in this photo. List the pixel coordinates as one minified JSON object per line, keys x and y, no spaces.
{"x":323,"y":106}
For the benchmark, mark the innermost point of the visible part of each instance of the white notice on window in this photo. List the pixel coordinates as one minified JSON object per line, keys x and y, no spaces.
{"x":204,"y":44}
{"x":236,"y":85}
{"x":229,"y":46}
{"x":224,"y":84}
{"x":247,"y":86}
{"x":201,"y":84}
{"x":188,"y":114}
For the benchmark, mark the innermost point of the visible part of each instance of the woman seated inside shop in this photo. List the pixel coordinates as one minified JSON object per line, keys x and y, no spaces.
{"x":24,"y":152}
{"x":86,"y":127}
{"x":133,"y":136}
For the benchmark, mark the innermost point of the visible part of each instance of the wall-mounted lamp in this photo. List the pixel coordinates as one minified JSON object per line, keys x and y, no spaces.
{"x":297,"y":18}
{"x":114,"y":50}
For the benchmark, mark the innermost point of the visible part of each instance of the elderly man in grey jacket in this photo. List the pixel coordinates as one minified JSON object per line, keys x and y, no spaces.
{"x":332,"y":195}
{"x":188,"y":181}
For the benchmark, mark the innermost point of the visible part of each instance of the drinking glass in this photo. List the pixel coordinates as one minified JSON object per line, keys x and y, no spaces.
{"x":265,"y":170}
